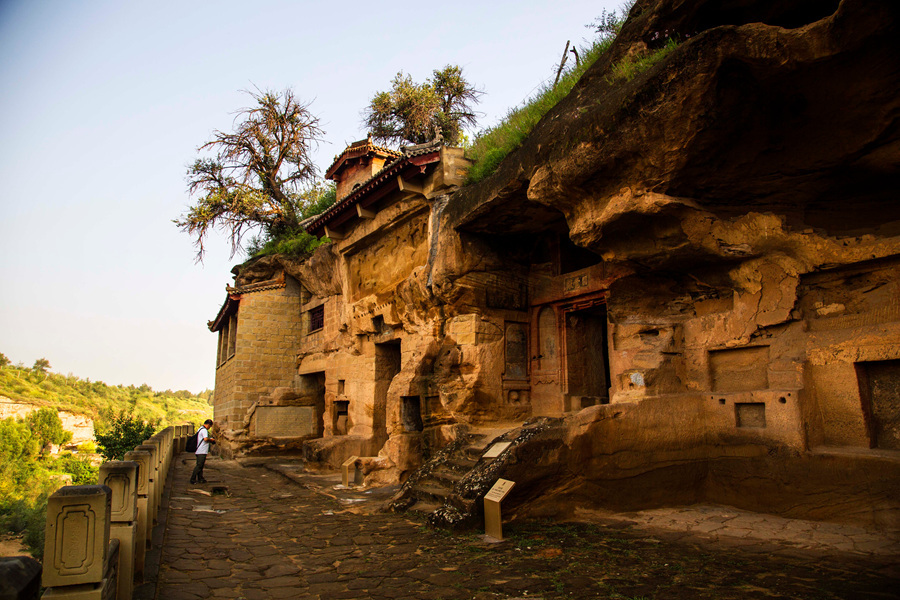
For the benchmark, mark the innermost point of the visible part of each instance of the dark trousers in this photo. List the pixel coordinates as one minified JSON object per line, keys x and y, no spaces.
{"x":197,"y":475}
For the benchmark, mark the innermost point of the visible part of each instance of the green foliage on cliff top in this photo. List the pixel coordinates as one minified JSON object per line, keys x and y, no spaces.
{"x":318,"y":198}
{"x":100,"y":401}
{"x":492,"y":145}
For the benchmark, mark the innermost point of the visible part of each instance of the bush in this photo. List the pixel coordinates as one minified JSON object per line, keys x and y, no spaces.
{"x":47,"y":428}
{"x":125,"y":431}
{"x":81,"y":469}
{"x":25,"y":486}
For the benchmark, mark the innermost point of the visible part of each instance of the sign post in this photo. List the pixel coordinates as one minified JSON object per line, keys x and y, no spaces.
{"x":348,"y":464}
{"x":493,"y":522}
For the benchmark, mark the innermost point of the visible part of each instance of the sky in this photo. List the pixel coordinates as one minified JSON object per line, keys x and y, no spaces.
{"x":104,"y":103}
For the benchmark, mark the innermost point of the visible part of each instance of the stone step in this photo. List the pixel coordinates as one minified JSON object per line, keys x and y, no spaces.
{"x":430,"y":491}
{"x":425,"y":508}
{"x":459,"y":464}
{"x":474,"y":452}
{"x":447,"y":476}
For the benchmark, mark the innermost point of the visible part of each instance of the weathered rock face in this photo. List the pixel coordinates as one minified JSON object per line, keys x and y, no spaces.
{"x":695,"y":270}
{"x":81,"y":426}
{"x":749,"y":183}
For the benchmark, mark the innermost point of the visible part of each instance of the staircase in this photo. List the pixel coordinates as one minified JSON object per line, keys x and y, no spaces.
{"x":429,"y":488}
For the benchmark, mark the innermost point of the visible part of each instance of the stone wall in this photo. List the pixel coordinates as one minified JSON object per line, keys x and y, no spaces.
{"x":268,"y":335}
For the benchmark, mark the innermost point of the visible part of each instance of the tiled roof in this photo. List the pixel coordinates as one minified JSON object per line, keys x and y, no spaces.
{"x":389,"y":171}
{"x":230,"y":306}
{"x":360,"y":148}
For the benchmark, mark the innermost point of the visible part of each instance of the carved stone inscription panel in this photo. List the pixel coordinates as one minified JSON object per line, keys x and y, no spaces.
{"x":286,"y":421}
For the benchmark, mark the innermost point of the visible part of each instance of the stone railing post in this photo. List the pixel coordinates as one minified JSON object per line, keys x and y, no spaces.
{"x":121,"y":478}
{"x":142,"y":459}
{"x":166,"y":437}
{"x":152,"y":484}
{"x":159,"y":440}
{"x":182,"y":437}
{"x":79,"y":559}
{"x":170,"y":440}
{"x":20,"y":578}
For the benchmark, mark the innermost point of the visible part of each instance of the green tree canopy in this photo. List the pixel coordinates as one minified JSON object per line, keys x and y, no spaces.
{"x":3,"y":360}
{"x":41,"y":365}
{"x":256,"y":175}
{"x":124,"y":433}
{"x":47,"y":428}
{"x":418,"y":112}
{"x":16,"y":441}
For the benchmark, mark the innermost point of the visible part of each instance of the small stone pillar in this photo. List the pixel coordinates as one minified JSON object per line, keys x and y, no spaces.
{"x":160,"y":440}
{"x":20,"y":578}
{"x":76,"y":544}
{"x":170,"y":441}
{"x":166,"y":437}
{"x":160,"y":474}
{"x":152,"y":485}
{"x":121,"y":477}
{"x":142,"y":460}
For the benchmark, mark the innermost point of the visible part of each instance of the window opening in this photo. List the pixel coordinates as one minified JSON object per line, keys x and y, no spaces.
{"x":316,"y":318}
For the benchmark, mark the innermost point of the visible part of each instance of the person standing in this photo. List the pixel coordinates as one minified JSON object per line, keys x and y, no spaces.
{"x":203,"y":442}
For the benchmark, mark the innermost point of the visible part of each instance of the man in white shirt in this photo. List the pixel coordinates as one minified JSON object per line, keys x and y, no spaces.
{"x":203,"y":442}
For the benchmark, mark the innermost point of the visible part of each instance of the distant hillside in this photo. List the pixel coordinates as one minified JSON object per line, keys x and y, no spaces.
{"x":98,"y":400}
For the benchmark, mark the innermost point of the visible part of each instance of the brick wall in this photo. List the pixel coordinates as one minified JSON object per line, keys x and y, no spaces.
{"x":268,"y":335}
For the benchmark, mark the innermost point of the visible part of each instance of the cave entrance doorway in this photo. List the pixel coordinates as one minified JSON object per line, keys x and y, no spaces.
{"x":313,"y":384}
{"x":387,"y":365}
{"x":587,"y":357}
{"x":879,"y":383}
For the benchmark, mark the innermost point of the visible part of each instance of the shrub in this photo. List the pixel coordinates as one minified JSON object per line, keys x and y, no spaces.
{"x":81,"y":469}
{"x":47,"y":428}
{"x":124,"y":432}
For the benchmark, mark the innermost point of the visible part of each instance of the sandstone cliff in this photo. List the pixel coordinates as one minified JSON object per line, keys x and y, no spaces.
{"x":694,"y":272}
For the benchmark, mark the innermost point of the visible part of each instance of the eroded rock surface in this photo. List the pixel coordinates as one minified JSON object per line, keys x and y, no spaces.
{"x":695,"y":271}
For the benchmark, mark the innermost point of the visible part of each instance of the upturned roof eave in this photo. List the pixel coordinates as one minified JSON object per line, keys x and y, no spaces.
{"x":426,"y":154}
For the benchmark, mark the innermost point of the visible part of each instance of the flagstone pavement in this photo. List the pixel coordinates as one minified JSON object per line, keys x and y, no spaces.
{"x":268,"y":529}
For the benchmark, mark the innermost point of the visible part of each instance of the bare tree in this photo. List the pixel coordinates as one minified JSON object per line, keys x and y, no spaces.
{"x":256,"y":176}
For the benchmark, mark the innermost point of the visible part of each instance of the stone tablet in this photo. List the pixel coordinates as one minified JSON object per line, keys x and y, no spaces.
{"x":496,"y":450}
{"x":286,"y":421}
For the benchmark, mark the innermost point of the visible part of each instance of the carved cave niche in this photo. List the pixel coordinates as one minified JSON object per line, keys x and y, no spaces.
{"x":388,"y":259}
{"x":739,"y":369}
{"x":516,"y":351}
{"x":547,"y":339}
{"x":879,"y":386}
{"x":587,"y":355}
{"x":297,"y":418}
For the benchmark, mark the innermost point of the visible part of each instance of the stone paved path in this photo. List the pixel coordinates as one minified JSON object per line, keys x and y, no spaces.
{"x":293,"y":535}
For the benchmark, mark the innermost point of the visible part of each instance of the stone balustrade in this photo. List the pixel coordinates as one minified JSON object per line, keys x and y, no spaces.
{"x":97,"y":536}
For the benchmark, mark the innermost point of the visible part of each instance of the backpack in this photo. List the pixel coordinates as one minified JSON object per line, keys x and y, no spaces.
{"x":191,"y":444}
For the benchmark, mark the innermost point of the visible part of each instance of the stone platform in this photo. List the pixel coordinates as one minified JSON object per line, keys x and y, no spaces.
{"x":268,"y":529}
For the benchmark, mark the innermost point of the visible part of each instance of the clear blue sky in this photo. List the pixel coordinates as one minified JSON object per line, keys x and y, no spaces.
{"x":103,"y":104}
